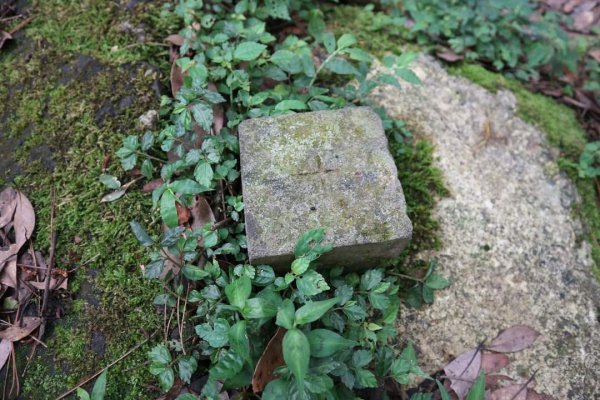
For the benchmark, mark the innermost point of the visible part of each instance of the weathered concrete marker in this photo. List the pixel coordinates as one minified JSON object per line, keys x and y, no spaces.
{"x":329,"y":169}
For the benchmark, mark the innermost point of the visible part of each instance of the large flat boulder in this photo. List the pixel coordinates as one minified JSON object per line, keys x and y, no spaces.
{"x":329,"y":169}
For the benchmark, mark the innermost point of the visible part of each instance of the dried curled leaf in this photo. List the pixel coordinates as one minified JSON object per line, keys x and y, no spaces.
{"x":271,"y":358}
{"x":463,"y":371}
{"x":16,"y":333}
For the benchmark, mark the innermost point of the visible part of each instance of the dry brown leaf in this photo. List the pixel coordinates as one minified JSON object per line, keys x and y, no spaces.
{"x":514,"y":339}
{"x":271,"y":358}
{"x":176,"y":79}
{"x":595,"y":54}
{"x":492,"y":362}
{"x":533,"y":395}
{"x":491,"y":381}
{"x":24,"y":220}
{"x":8,"y":276}
{"x":201,"y":212}
{"x":5,"y":350}
{"x":449,"y":56}
{"x":513,"y":392}
{"x":8,"y":203}
{"x":4,"y":37}
{"x":15,"y":333}
{"x":183,"y":214}
{"x":463,"y":371}
{"x":153,"y":184}
{"x":175,"y":39}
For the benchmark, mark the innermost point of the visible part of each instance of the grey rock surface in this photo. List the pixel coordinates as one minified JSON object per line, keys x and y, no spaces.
{"x":510,"y":241}
{"x":329,"y":169}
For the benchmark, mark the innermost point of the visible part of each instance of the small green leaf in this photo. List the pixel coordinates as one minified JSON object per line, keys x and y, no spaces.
{"x":248,"y":51}
{"x":324,"y":343}
{"x":328,"y":42}
{"x":111,"y":182}
{"x":160,"y":354}
{"x":238,"y":291}
{"x":166,"y":379}
{"x":314,"y":310}
{"x":168,"y":211}
{"x":154,"y":269}
{"x":286,"y":105}
{"x":187,"y":396}
{"x":203,"y":115}
{"x":238,"y":340}
{"x":341,"y":67}
{"x":259,"y":308}
{"x":187,"y":186}
{"x":285,"y":314}
{"x":147,"y":169}
{"x":311,"y":283}
{"x":99,"y":388}
{"x":408,"y":76}
{"x":296,"y":353}
{"x":300,"y":265}
{"x":194,"y":273}
{"x":346,"y":40}
{"x":216,"y":335}
{"x":140,"y":234}
{"x":82,"y":394}
{"x":147,"y":141}
{"x":187,"y":367}
{"x":204,"y":173}
{"x":477,"y":391}
{"x":437,"y":282}
{"x":370,"y":279}
{"x":365,"y":378}
{"x":361,"y":358}
{"x":227,"y":367}
{"x":277,"y":389}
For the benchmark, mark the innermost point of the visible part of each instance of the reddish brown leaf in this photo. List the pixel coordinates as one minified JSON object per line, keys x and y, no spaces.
{"x":449,"y":56}
{"x":15,"y":333}
{"x":492,"y":362}
{"x":183,"y":214}
{"x":514,"y":339}
{"x":24,"y":220}
{"x":153,"y":184}
{"x":175,"y":39}
{"x":491,"y":381}
{"x":271,"y":358}
{"x":5,"y":350}
{"x":201,"y":212}
{"x":513,"y":392}
{"x":463,"y":371}
{"x":176,"y":79}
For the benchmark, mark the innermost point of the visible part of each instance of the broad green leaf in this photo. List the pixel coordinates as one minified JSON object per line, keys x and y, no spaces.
{"x":435,"y":281}
{"x":140,"y":234}
{"x":379,"y":301}
{"x":194,"y":273}
{"x":204,"y":173}
{"x":328,"y":41}
{"x":408,"y":76}
{"x":166,"y":379}
{"x":341,"y":67}
{"x":147,"y":141}
{"x":203,"y":115}
{"x":265,"y":275}
{"x":285,"y":314}
{"x":259,"y":308}
{"x":300,"y":265}
{"x":99,"y":388}
{"x":427,"y":294}
{"x":160,"y":354}
{"x":216,"y":335}
{"x":318,"y":384}
{"x":365,"y":378}
{"x":477,"y":391}
{"x":187,"y":186}
{"x":314,"y":310}
{"x":296,"y":353}
{"x":324,"y":343}
{"x":358,"y":55}
{"x":316,"y":25}
{"x":147,"y":169}
{"x":286,"y":105}
{"x":154,"y":269}
{"x":311,"y":283}
{"x":111,"y":182}
{"x":227,"y":367}
{"x":309,"y":242}
{"x":346,"y":40}
{"x":443,"y":393}
{"x":238,"y":340}
{"x":187,"y":367}
{"x":361,"y":358}
{"x":238,"y":291}
{"x":168,"y":211}
{"x":82,"y":394}
{"x":248,"y":51}
{"x":370,"y":279}
{"x":275,"y":390}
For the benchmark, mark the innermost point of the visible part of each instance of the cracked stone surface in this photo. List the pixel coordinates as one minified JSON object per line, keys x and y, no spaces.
{"x":510,"y":241}
{"x":329,"y":169}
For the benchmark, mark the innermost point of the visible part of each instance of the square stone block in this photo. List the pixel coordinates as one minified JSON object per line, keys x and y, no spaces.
{"x":329,"y":169}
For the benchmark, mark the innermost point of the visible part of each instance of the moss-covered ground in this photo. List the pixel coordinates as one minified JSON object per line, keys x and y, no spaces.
{"x":72,"y":86}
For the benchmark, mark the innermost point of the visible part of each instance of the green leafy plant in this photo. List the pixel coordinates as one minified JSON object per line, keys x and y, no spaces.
{"x":97,"y":391}
{"x":589,"y":161}
{"x":334,"y":328}
{"x":500,"y":33}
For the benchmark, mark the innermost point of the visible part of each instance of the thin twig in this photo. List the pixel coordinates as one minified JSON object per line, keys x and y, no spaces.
{"x":220,"y":224}
{"x":83,"y":382}
{"x":20,"y":25}
{"x":50,"y":266}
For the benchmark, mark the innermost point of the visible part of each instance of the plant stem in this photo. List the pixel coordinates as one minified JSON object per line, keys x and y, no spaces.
{"x":329,"y":58}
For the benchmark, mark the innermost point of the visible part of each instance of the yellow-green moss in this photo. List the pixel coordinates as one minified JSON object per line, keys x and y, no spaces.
{"x":93,"y":238}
